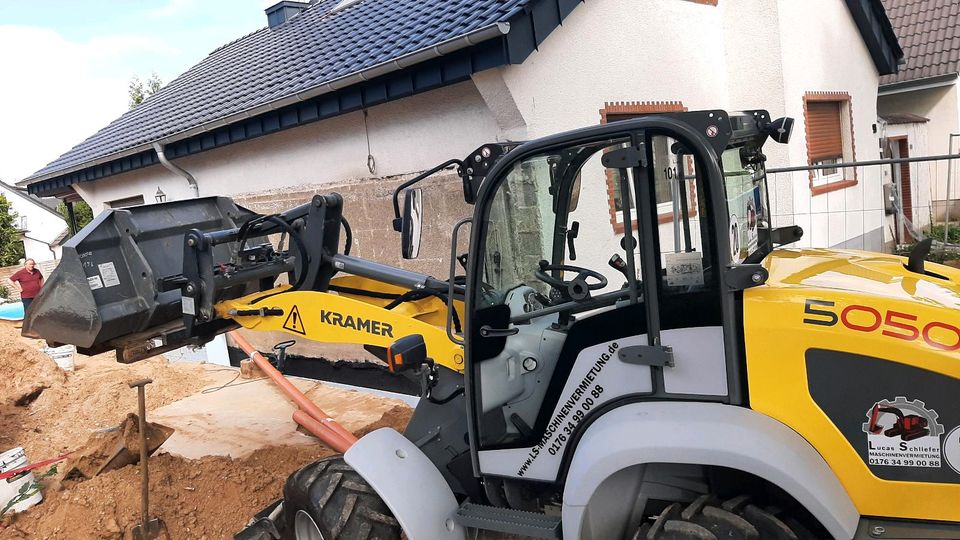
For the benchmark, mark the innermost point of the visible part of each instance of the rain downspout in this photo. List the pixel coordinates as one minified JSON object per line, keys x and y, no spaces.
{"x":175,"y":169}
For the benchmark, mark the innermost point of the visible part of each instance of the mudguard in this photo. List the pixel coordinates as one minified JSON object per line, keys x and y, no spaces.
{"x":705,"y":434}
{"x":409,"y":483}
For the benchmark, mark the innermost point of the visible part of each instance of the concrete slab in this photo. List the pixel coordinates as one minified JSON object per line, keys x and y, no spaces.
{"x":245,"y":415}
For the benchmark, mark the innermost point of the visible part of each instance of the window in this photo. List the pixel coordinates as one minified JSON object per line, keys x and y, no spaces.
{"x":136,"y":200}
{"x":829,"y":122}
{"x":664,"y":176}
{"x":23,"y":223}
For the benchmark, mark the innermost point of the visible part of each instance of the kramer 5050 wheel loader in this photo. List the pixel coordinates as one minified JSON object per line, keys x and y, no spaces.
{"x":641,"y":361}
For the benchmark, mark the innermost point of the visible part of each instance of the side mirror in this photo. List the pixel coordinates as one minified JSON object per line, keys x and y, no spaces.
{"x":411,"y":225}
{"x":780,"y":129}
{"x":407,"y":353}
{"x":782,"y":236}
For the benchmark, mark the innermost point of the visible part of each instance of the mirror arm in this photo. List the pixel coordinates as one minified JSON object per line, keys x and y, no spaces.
{"x":397,"y":220}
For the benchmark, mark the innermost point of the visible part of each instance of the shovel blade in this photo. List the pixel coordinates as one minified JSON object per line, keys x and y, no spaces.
{"x":150,"y":530}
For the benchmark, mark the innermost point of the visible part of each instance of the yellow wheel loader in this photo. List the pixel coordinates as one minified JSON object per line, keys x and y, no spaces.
{"x":639,"y":358}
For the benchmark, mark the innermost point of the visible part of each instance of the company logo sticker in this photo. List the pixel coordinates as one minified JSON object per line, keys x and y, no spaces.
{"x":903,"y":433}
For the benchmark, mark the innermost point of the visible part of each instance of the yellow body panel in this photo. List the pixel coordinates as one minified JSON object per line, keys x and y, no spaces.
{"x":777,"y":339}
{"x":350,"y":318}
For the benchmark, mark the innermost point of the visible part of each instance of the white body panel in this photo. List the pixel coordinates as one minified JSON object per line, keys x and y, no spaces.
{"x":394,"y":466}
{"x":699,"y":369}
{"x":697,"y":433}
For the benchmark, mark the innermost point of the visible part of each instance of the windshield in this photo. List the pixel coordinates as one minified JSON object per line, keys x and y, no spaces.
{"x":747,"y":202}
{"x":546,"y":204}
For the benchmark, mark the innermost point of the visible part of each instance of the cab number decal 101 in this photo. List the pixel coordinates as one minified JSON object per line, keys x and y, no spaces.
{"x":890,"y":323}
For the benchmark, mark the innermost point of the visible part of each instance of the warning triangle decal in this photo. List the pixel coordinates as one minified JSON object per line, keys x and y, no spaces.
{"x":294,"y":322}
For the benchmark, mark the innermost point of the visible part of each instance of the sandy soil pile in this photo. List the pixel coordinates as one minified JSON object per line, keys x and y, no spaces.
{"x":212,"y":497}
{"x":49,"y":412}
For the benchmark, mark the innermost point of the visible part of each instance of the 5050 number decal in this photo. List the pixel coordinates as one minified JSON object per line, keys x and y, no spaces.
{"x":893,"y":324}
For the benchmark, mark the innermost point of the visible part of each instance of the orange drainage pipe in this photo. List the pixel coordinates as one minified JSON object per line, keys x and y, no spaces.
{"x":330,"y":438}
{"x":323,"y":426}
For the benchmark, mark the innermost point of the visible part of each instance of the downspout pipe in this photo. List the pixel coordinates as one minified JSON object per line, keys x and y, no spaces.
{"x":176,"y":169}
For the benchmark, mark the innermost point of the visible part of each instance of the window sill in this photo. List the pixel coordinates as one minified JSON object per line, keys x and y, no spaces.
{"x":832,"y":186}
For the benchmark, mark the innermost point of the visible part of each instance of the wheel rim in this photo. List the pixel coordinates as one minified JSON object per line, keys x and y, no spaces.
{"x":305,"y":528}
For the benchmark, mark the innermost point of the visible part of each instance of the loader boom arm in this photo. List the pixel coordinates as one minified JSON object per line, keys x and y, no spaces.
{"x":362,"y":319}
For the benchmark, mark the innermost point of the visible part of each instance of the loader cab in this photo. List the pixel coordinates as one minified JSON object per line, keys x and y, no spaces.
{"x":605,"y":267}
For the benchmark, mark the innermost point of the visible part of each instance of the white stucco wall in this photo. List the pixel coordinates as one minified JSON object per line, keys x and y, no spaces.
{"x":737,"y":55}
{"x":823,"y":51}
{"x":407,"y":135}
{"x":42,"y":225}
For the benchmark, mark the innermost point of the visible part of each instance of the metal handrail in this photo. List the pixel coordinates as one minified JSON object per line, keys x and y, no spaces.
{"x":853,"y":164}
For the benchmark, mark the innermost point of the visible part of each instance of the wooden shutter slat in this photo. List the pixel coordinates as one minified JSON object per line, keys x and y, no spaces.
{"x":824,"y":130}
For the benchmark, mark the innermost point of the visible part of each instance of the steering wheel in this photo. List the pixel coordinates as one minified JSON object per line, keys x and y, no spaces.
{"x":577,"y":289}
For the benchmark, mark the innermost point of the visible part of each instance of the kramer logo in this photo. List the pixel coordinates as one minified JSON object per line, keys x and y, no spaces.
{"x":370,"y":326}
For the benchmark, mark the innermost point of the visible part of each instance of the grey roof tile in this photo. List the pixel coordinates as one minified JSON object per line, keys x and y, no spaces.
{"x":929,"y":31}
{"x":317,"y":46}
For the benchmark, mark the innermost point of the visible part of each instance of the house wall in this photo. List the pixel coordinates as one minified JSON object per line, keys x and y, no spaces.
{"x":736,"y":55}
{"x":282,"y":170}
{"x":43,"y":225}
{"x":942,"y":106}
{"x":823,"y":51}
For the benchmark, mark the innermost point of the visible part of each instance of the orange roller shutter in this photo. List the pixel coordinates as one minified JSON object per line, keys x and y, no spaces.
{"x":824,"y":130}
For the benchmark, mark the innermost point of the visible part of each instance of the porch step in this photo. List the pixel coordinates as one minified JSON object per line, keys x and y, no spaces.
{"x":507,"y":520}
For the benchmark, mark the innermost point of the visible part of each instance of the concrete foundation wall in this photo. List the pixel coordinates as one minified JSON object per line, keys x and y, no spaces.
{"x":368,"y":207}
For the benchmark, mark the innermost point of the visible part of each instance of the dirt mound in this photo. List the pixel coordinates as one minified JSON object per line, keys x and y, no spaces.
{"x":49,"y":412}
{"x":212,"y":497}
{"x":25,"y":372}
{"x":397,"y":418}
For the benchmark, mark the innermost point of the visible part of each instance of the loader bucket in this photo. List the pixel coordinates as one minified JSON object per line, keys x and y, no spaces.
{"x":107,"y":285}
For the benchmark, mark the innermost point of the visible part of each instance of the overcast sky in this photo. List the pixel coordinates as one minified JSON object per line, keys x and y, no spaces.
{"x":65,"y":64}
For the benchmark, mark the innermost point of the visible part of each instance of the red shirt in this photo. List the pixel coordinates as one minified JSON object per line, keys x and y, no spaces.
{"x":29,"y":282}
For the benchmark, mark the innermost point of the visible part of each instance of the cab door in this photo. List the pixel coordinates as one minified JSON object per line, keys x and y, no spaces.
{"x":541,"y":358}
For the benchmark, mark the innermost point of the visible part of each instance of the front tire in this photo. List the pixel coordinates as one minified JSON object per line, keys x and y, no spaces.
{"x":328,"y":500}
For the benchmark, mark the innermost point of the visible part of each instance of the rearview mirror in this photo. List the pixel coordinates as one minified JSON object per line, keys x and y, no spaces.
{"x":411,"y":225}
{"x":780,"y":129}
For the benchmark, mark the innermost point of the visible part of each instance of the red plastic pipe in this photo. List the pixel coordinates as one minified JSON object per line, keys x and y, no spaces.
{"x":324,"y":427}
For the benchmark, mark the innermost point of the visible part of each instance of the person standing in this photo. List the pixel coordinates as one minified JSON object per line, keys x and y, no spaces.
{"x":28,"y":281}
